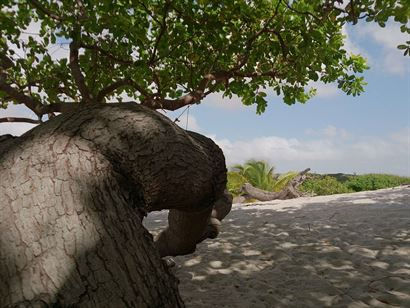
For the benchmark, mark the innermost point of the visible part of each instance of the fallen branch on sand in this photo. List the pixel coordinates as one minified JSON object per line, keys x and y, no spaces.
{"x":288,"y":192}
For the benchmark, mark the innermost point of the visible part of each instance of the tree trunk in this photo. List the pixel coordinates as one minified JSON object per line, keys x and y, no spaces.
{"x":73,"y":193}
{"x":288,"y":192}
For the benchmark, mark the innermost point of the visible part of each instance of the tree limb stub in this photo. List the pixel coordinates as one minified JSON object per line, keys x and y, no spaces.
{"x":289,"y":192}
{"x":18,"y":119}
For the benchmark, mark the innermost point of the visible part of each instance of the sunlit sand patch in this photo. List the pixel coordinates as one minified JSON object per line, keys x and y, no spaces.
{"x":349,"y":250}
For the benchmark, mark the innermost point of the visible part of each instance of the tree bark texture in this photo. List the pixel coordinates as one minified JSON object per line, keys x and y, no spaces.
{"x":73,"y":193}
{"x":288,"y":192}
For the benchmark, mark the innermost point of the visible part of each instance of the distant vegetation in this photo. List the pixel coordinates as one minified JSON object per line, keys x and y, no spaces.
{"x":261,"y":175}
{"x":323,"y":185}
{"x":344,"y":183}
{"x":375,"y":181}
{"x":258,"y":173}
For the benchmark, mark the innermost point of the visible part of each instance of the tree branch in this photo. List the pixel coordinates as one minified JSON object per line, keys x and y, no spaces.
{"x":71,"y":106}
{"x":19,"y":96}
{"x":200,"y":93}
{"x":16,"y":119}
{"x":44,"y":10}
{"x":108,"y":55}
{"x":118,"y":84}
{"x":299,"y":12}
{"x":187,"y":99}
{"x":251,"y":40}
{"x":163,"y":30}
{"x":149,"y":12}
{"x":5,"y":62}
{"x":285,"y":50}
{"x":76,"y":71}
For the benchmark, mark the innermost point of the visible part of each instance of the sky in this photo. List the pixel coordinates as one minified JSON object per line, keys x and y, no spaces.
{"x":331,"y":133}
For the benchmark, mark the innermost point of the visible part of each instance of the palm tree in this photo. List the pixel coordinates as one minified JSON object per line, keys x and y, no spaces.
{"x":259,"y":173}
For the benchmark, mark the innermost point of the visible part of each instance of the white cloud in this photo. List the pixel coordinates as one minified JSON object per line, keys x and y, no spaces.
{"x":327,"y":154}
{"x":388,"y":38}
{"x":216,"y":100}
{"x":325,"y":90}
{"x":329,"y":131}
{"x":402,"y":136}
{"x":350,"y":46}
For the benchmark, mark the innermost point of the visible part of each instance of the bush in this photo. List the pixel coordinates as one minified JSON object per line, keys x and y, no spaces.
{"x":323,"y":186}
{"x":283,"y":180}
{"x":235,"y":182}
{"x":258,"y":173}
{"x":375,"y":181}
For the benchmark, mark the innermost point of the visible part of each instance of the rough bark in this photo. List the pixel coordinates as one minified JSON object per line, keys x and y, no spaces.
{"x":73,"y":192}
{"x":288,"y":192}
{"x":187,"y":228}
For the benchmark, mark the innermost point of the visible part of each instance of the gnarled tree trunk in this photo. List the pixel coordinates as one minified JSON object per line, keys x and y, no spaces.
{"x":73,"y":193}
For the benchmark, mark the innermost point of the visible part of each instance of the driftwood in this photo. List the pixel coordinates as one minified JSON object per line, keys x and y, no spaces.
{"x":289,"y":192}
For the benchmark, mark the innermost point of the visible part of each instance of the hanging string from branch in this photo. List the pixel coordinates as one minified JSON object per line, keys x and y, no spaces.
{"x":177,"y":118}
{"x":187,"y":118}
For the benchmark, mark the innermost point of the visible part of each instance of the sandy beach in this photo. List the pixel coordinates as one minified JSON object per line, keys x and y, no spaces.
{"x":348,"y":250}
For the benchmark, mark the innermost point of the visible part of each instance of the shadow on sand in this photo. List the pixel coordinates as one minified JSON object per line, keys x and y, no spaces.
{"x":349,"y":251}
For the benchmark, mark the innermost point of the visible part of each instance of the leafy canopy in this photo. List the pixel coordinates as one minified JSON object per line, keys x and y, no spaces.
{"x":169,"y":54}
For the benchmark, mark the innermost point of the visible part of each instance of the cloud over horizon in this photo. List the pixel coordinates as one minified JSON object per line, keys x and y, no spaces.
{"x":332,"y":150}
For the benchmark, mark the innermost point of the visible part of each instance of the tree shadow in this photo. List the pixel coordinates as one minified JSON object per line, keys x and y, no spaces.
{"x":352,"y":251}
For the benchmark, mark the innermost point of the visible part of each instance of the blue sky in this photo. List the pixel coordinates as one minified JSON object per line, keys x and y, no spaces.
{"x":331,"y":133}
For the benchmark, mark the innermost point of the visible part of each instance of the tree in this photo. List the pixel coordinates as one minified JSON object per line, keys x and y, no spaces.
{"x":257,"y":173}
{"x":73,"y":190}
{"x":170,"y":54}
{"x":256,"y":180}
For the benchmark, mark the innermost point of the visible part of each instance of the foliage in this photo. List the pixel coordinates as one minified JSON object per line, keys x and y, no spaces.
{"x":235,"y":182}
{"x":341,"y":183}
{"x":283,"y":180}
{"x":326,"y":185}
{"x":375,"y":181}
{"x":261,"y":175}
{"x":168,"y":54}
{"x":257,"y":173}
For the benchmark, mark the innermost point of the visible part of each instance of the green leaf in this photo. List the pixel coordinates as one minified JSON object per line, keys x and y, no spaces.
{"x":127,"y":40}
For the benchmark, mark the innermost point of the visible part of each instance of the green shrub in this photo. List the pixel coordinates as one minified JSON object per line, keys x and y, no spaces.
{"x":323,"y":186}
{"x":261,"y":175}
{"x":235,"y":182}
{"x":258,"y":173}
{"x":375,"y":181}
{"x":284,"y":180}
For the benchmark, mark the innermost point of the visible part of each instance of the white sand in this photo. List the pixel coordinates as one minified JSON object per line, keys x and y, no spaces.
{"x":350,"y":250}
